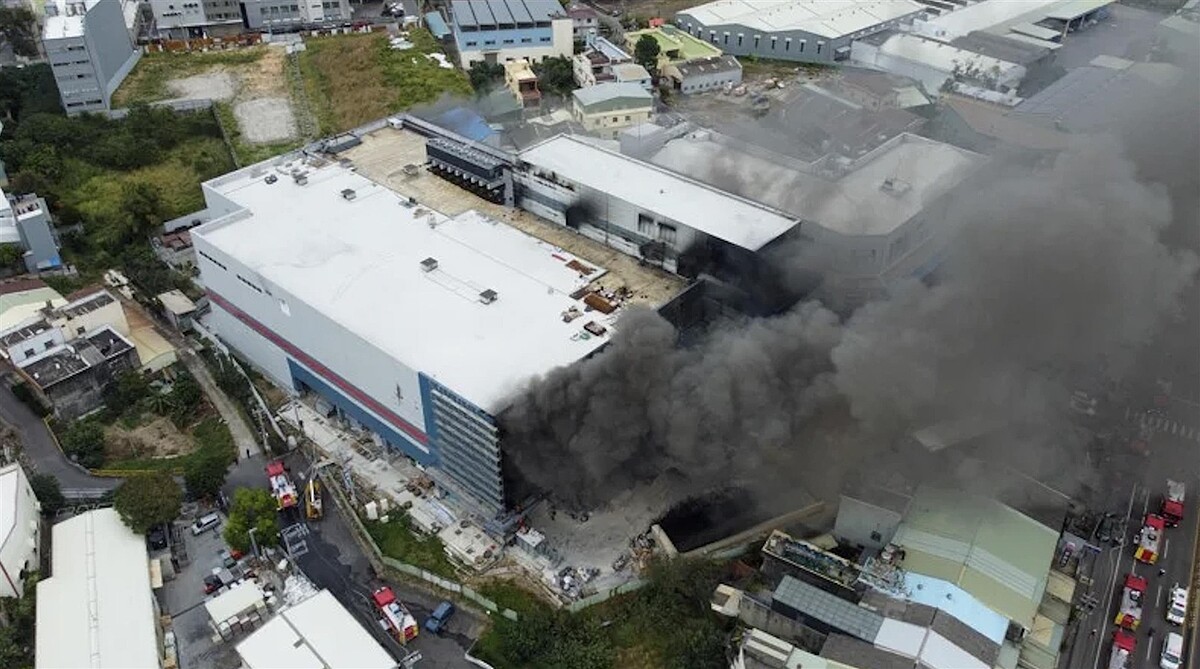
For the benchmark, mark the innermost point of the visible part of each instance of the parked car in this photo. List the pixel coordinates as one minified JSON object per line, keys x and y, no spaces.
{"x":204,"y":523}
{"x":436,"y":622}
{"x":1106,"y":531}
{"x":1172,"y":652}
{"x":156,"y":538}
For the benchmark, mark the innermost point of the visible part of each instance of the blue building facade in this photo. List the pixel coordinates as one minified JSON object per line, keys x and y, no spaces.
{"x":498,"y":31}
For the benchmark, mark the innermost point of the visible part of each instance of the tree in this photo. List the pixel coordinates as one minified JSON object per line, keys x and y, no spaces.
{"x":17,"y":636}
{"x":48,"y":492}
{"x":252,"y":508}
{"x":645,"y":53}
{"x":185,"y":400}
{"x":556,"y":76}
{"x":11,"y":255}
{"x":18,"y":27}
{"x":205,"y":473}
{"x":84,"y":443}
{"x":146,"y":500}
{"x":130,"y":388}
{"x":483,"y":74}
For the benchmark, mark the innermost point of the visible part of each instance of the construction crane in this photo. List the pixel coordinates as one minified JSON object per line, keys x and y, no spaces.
{"x":312,"y":498}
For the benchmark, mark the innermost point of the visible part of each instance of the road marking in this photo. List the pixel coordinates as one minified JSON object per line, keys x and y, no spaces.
{"x":1100,"y":638}
{"x":1149,"y":647}
{"x":1166,"y":545}
{"x":1127,"y":412}
{"x":1158,"y":596}
{"x":1174,"y":428}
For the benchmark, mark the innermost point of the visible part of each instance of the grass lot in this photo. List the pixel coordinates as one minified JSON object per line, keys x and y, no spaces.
{"x":352,"y":79}
{"x":667,"y":624}
{"x":210,"y":436}
{"x":397,"y":541}
{"x":148,"y":80}
{"x":247,"y":152}
{"x":508,"y":595}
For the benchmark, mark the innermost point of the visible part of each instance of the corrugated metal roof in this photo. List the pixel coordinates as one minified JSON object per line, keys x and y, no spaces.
{"x":829,"y":609}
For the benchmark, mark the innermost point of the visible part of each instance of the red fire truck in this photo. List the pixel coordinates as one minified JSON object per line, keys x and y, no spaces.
{"x":1172,"y":506}
{"x":1124,"y":643}
{"x":1150,"y":539}
{"x":1129,"y":616}
{"x":393,"y":616}
{"x":281,"y":485}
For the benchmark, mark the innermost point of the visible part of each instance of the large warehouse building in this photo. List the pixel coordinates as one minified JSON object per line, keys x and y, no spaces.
{"x":815,"y":31}
{"x":416,"y":326}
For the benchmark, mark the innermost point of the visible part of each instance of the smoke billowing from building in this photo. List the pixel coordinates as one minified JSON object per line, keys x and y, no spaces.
{"x":1059,"y":274}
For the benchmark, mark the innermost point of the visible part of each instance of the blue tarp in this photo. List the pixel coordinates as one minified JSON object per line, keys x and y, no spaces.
{"x":466,"y":123}
{"x":437,"y":25}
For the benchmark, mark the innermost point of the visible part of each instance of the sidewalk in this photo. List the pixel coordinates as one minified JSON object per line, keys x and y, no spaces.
{"x":243,"y":436}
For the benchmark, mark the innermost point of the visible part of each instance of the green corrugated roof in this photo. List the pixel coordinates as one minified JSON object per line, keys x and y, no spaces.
{"x":988,"y":549}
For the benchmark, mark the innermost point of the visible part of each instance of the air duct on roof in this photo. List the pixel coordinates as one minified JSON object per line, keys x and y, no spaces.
{"x":429,"y":264}
{"x":349,"y":194}
{"x":488,"y":296}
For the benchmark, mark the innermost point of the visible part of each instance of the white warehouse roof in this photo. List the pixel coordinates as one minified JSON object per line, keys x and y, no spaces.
{"x":946,"y":58}
{"x":359,"y":262}
{"x":318,"y":633}
{"x":718,"y":214}
{"x":998,"y":16}
{"x":828,"y":18}
{"x":97,"y":609}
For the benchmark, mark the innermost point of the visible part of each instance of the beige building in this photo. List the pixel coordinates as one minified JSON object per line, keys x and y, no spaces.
{"x":521,"y":80}
{"x":607,"y":109}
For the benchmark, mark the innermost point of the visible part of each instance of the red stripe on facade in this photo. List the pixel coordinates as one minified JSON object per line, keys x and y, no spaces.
{"x":322,"y":371}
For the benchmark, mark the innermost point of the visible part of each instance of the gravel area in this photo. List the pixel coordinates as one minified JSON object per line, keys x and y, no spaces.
{"x":266,"y":119}
{"x":214,"y":86}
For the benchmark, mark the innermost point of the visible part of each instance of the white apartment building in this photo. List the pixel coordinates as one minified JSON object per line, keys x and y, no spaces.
{"x":90,"y":51}
{"x":19,"y":530}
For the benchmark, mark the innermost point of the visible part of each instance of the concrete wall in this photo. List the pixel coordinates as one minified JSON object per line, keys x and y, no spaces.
{"x":704,"y":82}
{"x":84,"y":392}
{"x":609,"y":124}
{"x":19,"y":550}
{"x":865,"y":524}
{"x":35,"y":345}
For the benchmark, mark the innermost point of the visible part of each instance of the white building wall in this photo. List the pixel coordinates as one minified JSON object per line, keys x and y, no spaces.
{"x":20,"y":548}
{"x":562,"y":44}
{"x":371,"y":370}
{"x":35,"y":345}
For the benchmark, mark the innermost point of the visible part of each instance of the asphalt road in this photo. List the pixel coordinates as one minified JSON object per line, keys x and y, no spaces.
{"x":42,"y":450}
{"x":332,"y":559}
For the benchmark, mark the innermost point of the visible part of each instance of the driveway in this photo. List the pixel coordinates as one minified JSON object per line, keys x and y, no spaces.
{"x":243,"y":437}
{"x":44,"y":453}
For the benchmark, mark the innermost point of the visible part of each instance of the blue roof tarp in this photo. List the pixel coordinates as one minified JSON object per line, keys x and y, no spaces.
{"x":466,"y":123}
{"x":437,"y":25}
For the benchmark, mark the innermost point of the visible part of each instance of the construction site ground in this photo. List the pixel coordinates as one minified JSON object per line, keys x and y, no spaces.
{"x":384,"y":153}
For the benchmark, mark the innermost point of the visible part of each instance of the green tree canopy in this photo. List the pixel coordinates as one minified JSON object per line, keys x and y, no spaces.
{"x":555,"y":75}
{"x":84,"y":443}
{"x":645,"y":53}
{"x":205,"y":473}
{"x":484,"y":75}
{"x":252,"y":508}
{"x":18,"y":27}
{"x":48,"y":492}
{"x":145,"y":500}
{"x":130,"y":388}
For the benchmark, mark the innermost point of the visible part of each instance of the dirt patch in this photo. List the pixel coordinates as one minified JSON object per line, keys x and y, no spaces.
{"x":264,"y":120}
{"x":158,"y":438}
{"x":217,"y":84}
{"x":265,"y":77}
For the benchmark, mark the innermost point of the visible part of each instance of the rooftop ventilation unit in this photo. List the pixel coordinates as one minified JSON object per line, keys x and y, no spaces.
{"x":894,"y":186}
{"x":349,"y":194}
{"x":429,"y":264}
{"x":271,"y":178}
{"x":300,"y":178}
{"x":488,"y":296}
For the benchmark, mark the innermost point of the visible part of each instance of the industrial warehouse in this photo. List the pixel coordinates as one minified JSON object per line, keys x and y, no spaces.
{"x":413,"y":324}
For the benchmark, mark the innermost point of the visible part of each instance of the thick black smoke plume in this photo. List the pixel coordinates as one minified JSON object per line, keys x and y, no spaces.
{"x":1059,"y":274}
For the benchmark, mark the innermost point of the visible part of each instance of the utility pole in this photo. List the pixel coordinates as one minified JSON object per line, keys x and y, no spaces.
{"x":253,"y":545}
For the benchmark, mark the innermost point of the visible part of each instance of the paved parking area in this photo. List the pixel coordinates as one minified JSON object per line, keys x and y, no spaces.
{"x":182,"y":598}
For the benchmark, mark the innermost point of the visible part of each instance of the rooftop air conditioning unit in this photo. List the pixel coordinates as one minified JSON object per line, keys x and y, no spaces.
{"x":348,"y":194}
{"x":488,"y":296}
{"x":429,"y":264}
{"x":301,"y":178}
{"x":271,"y":178}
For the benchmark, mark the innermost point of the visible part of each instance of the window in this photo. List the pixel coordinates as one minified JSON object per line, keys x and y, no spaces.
{"x":712,"y":36}
{"x":79,"y":330}
{"x":472,"y":43}
{"x":489,"y":42}
{"x":645,"y":223}
{"x":666,"y":233}
{"x":545,"y":40}
{"x":787,"y":44}
{"x":508,"y":41}
{"x":616,"y":119}
{"x":739,"y":39}
{"x":627,"y":117}
{"x":50,"y":344}
{"x":819,"y":45}
{"x":773,"y":41}
{"x":725,"y":39}
{"x":28,"y":352}
{"x":802,"y":43}
{"x":756,"y":38}
{"x":526,"y":40}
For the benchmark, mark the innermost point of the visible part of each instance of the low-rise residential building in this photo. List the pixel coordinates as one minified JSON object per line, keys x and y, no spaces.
{"x":25,"y":222}
{"x":632,"y":73}
{"x":20,"y":530}
{"x":606,"y":109}
{"x":97,"y":608}
{"x":498,"y":31}
{"x":523,"y":83}
{"x":594,"y":65}
{"x":675,"y":46}
{"x":584,"y":21}
{"x":705,"y":74}
{"x":22,"y":298}
{"x":90,"y":51}
{"x":178,"y":308}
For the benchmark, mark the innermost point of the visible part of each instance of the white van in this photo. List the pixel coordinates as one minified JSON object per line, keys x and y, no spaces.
{"x":1172,"y":652}
{"x":205,"y":523}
